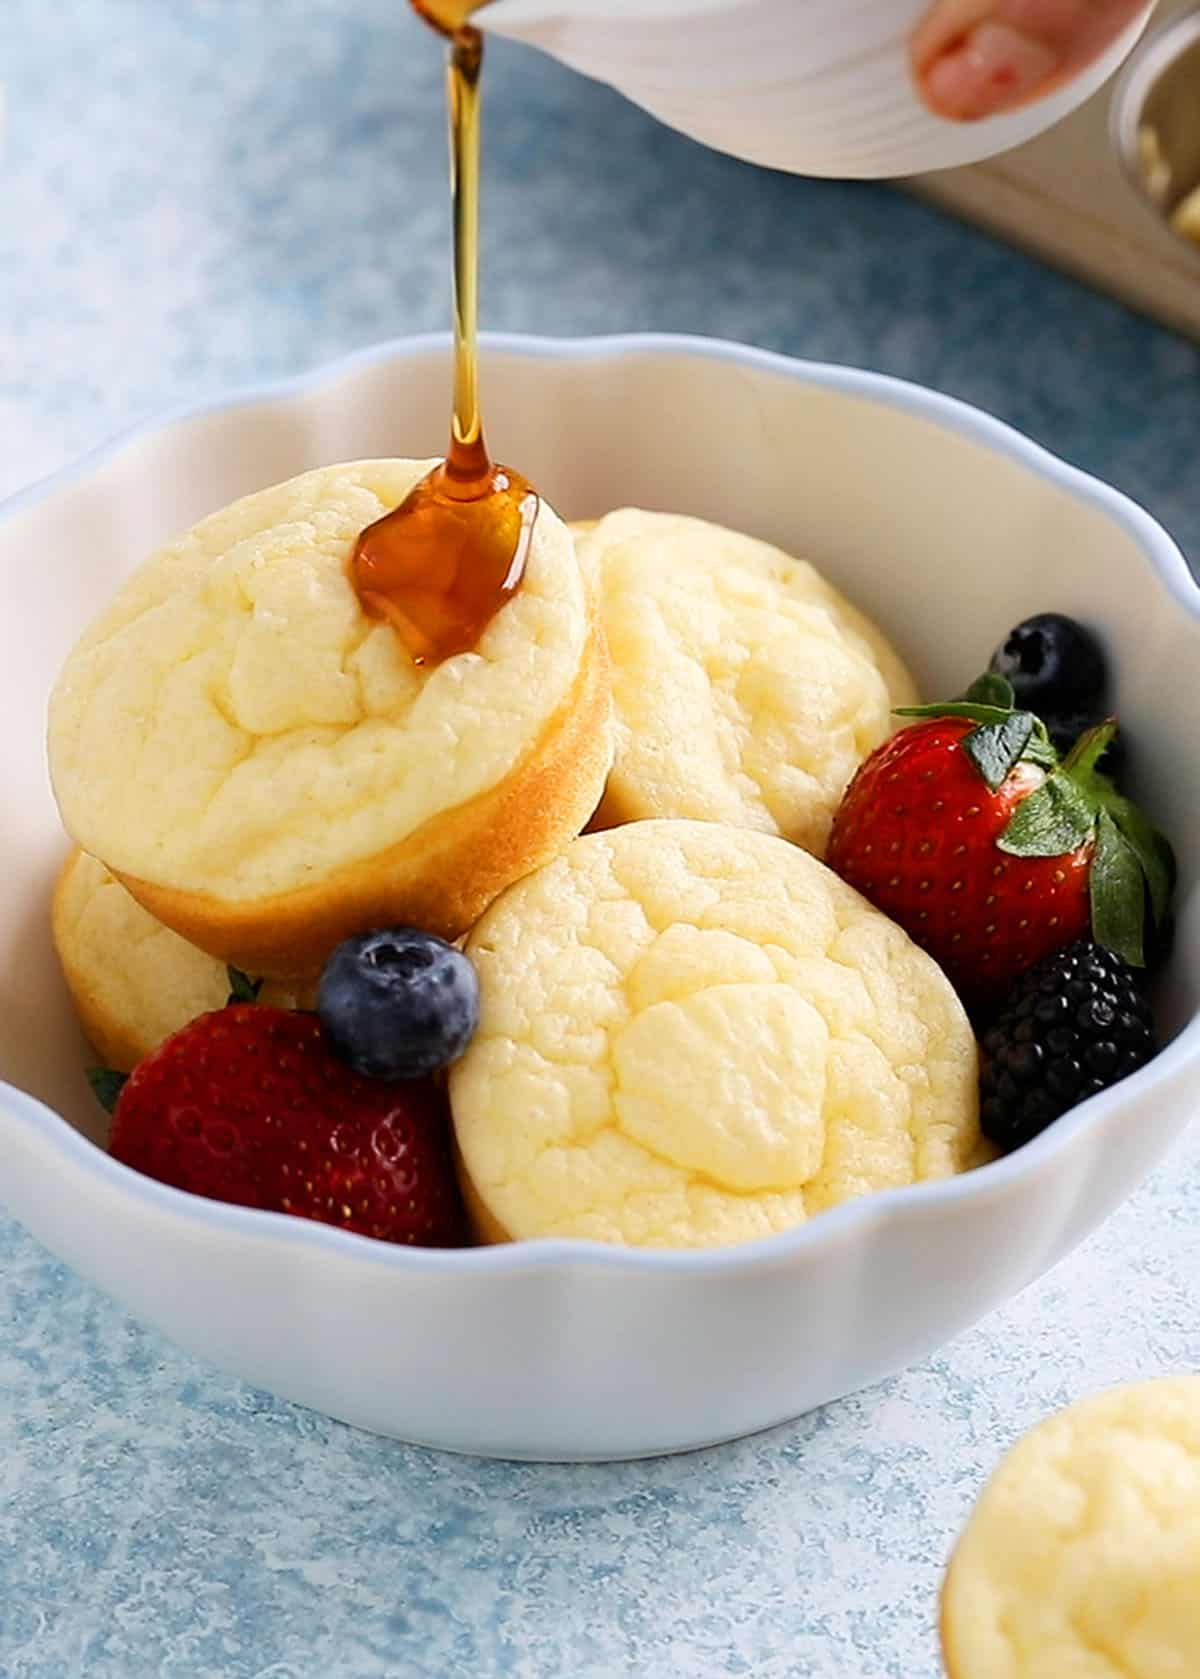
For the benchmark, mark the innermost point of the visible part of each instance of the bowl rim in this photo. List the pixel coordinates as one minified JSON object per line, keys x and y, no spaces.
{"x":906,"y":1204}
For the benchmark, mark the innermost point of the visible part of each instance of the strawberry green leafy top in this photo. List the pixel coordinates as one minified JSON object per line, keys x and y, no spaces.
{"x":1133,"y":867}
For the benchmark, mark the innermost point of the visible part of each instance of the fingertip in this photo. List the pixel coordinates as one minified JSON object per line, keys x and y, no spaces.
{"x":991,"y":70}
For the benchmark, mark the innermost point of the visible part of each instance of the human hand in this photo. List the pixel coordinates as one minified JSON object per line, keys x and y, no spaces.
{"x":976,"y":58}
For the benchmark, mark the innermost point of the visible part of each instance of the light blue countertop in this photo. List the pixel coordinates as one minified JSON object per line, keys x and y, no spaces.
{"x":207,"y":192}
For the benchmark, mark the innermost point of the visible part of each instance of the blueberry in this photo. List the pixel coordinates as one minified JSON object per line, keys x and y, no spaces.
{"x":398,"y":1004}
{"x":1055,"y":666}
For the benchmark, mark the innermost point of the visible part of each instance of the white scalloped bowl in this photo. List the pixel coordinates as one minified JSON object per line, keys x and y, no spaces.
{"x":948,"y":527}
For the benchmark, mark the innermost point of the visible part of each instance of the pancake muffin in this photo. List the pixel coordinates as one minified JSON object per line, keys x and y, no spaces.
{"x":746,"y":689}
{"x":694,"y":1035}
{"x":267,"y":770}
{"x":1082,"y":1557}
{"x":132,"y":980}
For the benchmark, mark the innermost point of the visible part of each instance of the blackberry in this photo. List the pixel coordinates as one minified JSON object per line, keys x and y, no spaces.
{"x":1072,"y":1026}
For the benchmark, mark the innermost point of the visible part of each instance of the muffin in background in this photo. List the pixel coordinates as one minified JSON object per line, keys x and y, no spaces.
{"x":1081,"y":1559}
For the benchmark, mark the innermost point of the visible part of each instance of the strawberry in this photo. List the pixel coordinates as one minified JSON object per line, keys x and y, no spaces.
{"x":248,"y":1105}
{"x":967,"y":829}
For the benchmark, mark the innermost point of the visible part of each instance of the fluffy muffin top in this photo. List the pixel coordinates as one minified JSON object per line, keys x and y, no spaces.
{"x":1083,"y":1555}
{"x":134,"y":981}
{"x":693,"y":1035}
{"x":746,"y":689}
{"x":235,"y":723}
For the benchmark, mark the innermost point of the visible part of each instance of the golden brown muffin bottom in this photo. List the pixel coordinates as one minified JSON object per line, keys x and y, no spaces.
{"x":442,"y":877}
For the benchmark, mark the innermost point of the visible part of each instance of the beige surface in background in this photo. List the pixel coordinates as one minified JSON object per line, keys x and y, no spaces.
{"x":1065,"y":197}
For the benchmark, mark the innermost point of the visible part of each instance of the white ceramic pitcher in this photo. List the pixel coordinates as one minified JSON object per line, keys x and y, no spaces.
{"x":817,"y":87}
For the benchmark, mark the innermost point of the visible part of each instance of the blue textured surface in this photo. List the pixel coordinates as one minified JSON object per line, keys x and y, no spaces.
{"x":215,"y":190}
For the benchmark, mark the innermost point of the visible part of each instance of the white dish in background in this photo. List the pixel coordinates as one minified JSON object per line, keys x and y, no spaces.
{"x":947,"y":527}
{"x":819,"y":87}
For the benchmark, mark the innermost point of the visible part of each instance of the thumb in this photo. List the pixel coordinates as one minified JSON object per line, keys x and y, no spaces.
{"x":976,"y":58}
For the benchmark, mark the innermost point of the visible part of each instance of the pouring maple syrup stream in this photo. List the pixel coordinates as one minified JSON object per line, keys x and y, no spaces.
{"x":443,"y":563}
